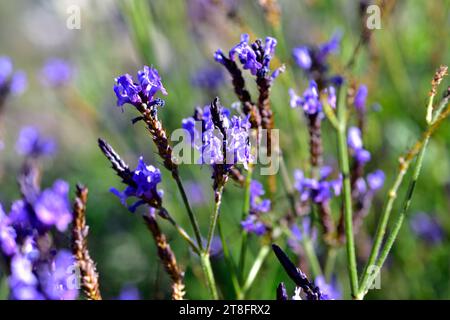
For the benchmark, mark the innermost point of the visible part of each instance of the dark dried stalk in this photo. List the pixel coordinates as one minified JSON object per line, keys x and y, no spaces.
{"x":281,"y":292}
{"x":89,"y":274}
{"x":167,"y":257}
{"x":159,"y":136}
{"x":248,"y":107}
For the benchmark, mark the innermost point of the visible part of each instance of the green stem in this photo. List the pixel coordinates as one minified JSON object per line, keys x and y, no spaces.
{"x":262,"y":255}
{"x":191,"y":215}
{"x":214,"y":217}
{"x":330,"y":262}
{"x":207,"y":270}
{"x":229,"y":260}
{"x":347,"y":197}
{"x":245,"y":211}
{"x":382,"y":225}
{"x":399,"y":220}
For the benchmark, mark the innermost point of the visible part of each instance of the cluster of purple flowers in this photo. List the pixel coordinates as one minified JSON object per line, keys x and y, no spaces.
{"x":37,"y":270}
{"x":318,"y":190}
{"x":313,"y":60}
{"x":31,"y":143}
{"x":14,"y":82}
{"x":355,"y":143}
{"x":210,"y":141}
{"x":310,"y":100}
{"x":360,"y":98}
{"x":127,"y":91}
{"x":258,"y":205}
{"x":143,"y":185}
{"x":209,"y":78}
{"x":254,"y":57}
{"x":56,"y":72}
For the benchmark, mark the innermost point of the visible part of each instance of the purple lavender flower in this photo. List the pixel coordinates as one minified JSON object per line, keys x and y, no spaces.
{"x":6,"y":69}
{"x":327,"y":48}
{"x":209,"y":78}
{"x":296,"y":236}
{"x":253,"y":225}
{"x":427,"y":227}
{"x":246,"y":55}
{"x":209,"y":141}
{"x":310,"y":101}
{"x":58,"y":278}
{"x":19,"y":83}
{"x":10,"y":81}
{"x":302,"y":57}
{"x":7,"y":235}
{"x":330,"y":291}
{"x":257,"y":204}
{"x":52,"y":206}
{"x":319,"y":191}
{"x":360,"y":98}
{"x":135,"y":94}
{"x":313,"y":59}
{"x":355,"y":143}
{"x":23,"y":282}
{"x":56,"y":72}
{"x":146,"y":179}
{"x":129,"y":292}
{"x":32,"y":144}
{"x":375,"y":180}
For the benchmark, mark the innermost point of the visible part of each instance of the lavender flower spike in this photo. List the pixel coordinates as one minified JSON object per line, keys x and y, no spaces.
{"x":31,"y":144}
{"x":299,"y":278}
{"x":56,"y":72}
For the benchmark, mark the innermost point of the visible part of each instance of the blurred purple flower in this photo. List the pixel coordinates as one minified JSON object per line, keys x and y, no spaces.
{"x":257,"y":204}
{"x":375,"y":180}
{"x":56,"y":72}
{"x":427,"y":227}
{"x":7,"y":235}
{"x":209,"y":78}
{"x":253,"y":225}
{"x":360,"y":98}
{"x":355,"y":143}
{"x":52,"y":206}
{"x":196,"y":193}
{"x":58,"y":278}
{"x":310,"y":101}
{"x":129,"y":292}
{"x":319,"y":191}
{"x":146,"y":179}
{"x":327,"y":48}
{"x":302,"y":57}
{"x":330,"y":291}
{"x":246,"y":55}
{"x":10,"y":81}
{"x":31,"y":144}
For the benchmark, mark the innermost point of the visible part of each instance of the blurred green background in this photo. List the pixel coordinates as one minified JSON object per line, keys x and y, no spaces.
{"x":179,"y":38}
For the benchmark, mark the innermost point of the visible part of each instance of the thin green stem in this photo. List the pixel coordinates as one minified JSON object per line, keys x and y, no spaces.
{"x":191,"y":215}
{"x":214,"y":216}
{"x":229,"y":260}
{"x":184,"y":235}
{"x":207,"y":270}
{"x":398,"y":221}
{"x":330,"y":263}
{"x":245,"y":211}
{"x":347,"y":197}
{"x":254,"y":270}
